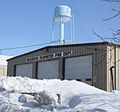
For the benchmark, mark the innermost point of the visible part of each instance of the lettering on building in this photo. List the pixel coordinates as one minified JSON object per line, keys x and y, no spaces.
{"x":49,"y":56}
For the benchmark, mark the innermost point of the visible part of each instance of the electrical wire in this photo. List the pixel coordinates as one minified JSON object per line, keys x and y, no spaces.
{"x":27,"y":46}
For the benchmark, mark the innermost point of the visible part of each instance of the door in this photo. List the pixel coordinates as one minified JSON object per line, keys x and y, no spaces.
{"x":79,"y":68}
{"x":24,"y":70}
{"x":48,"y":69}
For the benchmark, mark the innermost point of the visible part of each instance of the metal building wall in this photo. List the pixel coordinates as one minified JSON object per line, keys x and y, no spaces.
{"x":3,"y":70}
{"x":99,"y":67}
{"x":110,"y":64}
{"x":113,"y":60}
{"x":118,"y":68}
{"x":113,"y":63}
{"x":99,"y":58}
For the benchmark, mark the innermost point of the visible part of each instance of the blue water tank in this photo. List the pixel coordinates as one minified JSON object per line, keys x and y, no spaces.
{"x":62,"y":13}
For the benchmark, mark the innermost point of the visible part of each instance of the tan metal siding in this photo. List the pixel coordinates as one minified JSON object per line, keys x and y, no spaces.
{"x":110,"y":63}
{"x":3,"y":70}
{"x":99,"y":58}
{"x":99,"y":67}
{"x":117,"y":68}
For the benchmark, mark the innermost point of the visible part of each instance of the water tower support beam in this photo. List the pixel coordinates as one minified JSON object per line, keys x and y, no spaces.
{"x":62,"y":40}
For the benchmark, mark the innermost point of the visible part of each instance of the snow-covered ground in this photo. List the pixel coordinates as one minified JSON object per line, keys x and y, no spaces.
{"x":30,"y":95}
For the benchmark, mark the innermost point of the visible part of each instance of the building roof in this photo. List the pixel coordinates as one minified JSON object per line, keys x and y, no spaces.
{"x":3,"y":59}
{"x":68,"y":45}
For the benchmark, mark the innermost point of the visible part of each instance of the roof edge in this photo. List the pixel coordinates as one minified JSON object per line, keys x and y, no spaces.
{"x":66,"y":45}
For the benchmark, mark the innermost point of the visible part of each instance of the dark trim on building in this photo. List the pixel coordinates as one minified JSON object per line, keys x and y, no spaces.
{"x":36,"y":70}
{"x":67,"y":45}
{"x":62,"y":68}
{"x":14,"y":71}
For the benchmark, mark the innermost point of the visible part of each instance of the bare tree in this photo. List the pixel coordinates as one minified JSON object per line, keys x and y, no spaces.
{"x":117,"y":13}
{"x":116,"y":33}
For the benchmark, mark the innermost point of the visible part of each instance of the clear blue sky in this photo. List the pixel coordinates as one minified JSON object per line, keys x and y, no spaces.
{"x":28,"y":22}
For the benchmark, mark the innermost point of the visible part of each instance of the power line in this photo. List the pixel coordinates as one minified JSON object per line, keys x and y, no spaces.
{"x":20,"y":47}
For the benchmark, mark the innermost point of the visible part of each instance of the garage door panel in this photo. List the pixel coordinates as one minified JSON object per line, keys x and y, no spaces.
{"x":24,"y":70}
{"x":48,"y":69}
{"x":79,"y":68}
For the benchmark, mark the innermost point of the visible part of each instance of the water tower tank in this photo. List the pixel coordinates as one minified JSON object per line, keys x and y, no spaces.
{"x":62,"y":13}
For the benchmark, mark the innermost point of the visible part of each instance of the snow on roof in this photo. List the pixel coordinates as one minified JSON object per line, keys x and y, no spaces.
{"x":3,"y":59}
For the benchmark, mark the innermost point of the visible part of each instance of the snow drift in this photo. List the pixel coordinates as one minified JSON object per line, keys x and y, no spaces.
{"x":19,"y":94}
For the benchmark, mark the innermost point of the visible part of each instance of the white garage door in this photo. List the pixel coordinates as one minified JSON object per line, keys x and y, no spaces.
{"x":48,"y":69}
{"x":24,"y":70}
{"x":79,"y":68}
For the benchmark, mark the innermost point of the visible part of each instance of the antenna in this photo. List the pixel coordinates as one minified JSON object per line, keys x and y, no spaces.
{"x":62,"y":15}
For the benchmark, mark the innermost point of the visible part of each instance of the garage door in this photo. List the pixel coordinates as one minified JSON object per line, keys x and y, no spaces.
{"x":48,"y":69}
{"x":24,"y":70}
{"x":79,"y":68}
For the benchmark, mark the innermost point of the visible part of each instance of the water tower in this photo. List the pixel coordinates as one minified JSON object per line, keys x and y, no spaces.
{"x":63,"y":15}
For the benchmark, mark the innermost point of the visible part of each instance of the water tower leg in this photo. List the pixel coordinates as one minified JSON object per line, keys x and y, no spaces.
{"x":62,"y":41}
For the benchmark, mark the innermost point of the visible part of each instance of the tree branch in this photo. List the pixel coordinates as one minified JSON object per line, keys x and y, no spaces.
{"x":99,"y":36}
{"x":112,"y":0}
{"x":114,"y":16}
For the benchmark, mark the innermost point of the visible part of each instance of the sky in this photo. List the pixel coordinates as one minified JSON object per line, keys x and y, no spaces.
{"x":29,"y":22}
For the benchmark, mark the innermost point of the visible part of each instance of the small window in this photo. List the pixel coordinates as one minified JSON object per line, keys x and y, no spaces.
{"x":88,"y":79}
{"x":78,"y":79}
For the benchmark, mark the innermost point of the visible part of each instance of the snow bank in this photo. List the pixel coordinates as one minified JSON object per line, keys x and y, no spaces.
{"x":30,"y":95}
{"x":46,"y":98}
{"x":54,"y":85}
